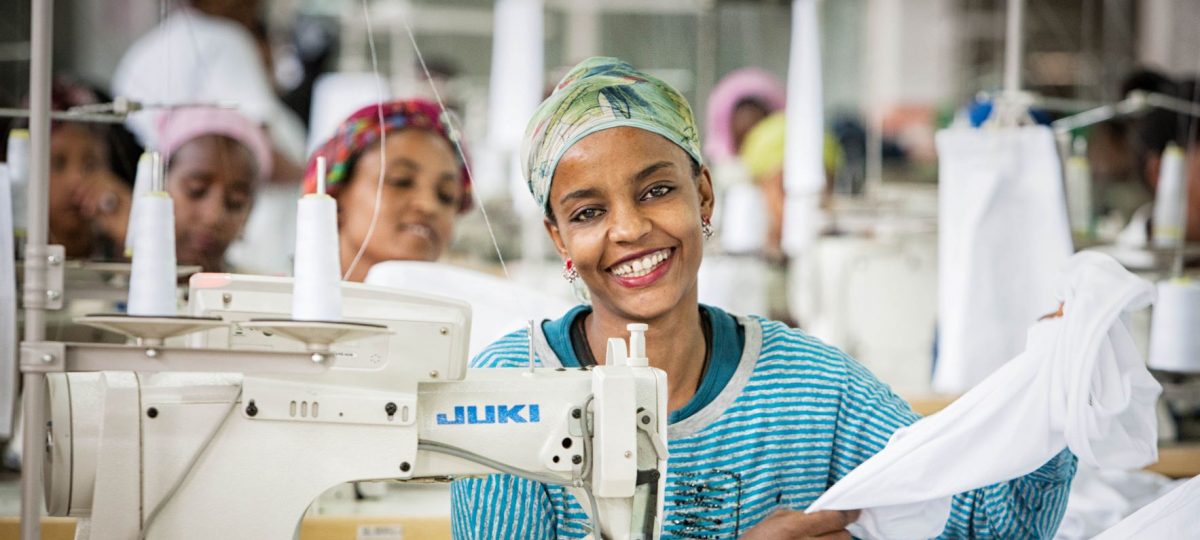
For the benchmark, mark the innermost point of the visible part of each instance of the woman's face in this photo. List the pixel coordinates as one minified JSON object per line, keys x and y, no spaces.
{"x":77,"y":155}
{"x":211,"y":180}
{"x":627,"y":210}
{"x":746,"y":115}
{"x":422,"y":192}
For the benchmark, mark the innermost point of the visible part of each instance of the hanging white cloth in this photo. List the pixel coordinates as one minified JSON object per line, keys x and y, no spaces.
{"x":803,"y":166}
{"x":1080,"y":384}
{"x":1173,"y":516}
{"x":1002,"y":223}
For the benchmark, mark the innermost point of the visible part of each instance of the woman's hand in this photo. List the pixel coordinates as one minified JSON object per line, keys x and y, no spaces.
{"x":796,"y":525}
{"x":105,"y":201}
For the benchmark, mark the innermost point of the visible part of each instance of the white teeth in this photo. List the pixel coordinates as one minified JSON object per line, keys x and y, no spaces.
{"x":419,"y":230}
{"x":642,"y":266}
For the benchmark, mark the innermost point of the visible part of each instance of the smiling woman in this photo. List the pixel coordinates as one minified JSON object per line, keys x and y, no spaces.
{"x":425,"y":185}
{"x":763,"y":418}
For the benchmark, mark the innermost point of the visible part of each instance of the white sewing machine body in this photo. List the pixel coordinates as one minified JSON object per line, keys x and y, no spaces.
{"x":399,"y":405}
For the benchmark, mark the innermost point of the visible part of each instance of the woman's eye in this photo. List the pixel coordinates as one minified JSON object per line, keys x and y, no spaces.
{"x":587,"y":214}
{"x":234,"y":204}
{"x":656,"y":192}
{"x":447,"y":198}
{"x":400,"y":182}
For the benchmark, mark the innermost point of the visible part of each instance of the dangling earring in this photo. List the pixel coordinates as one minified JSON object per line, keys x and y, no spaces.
{"x":706,"y":227}
{"x":569,"y":273}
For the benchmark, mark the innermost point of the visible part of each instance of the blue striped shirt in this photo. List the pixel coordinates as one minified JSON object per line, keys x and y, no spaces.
{"x":796,"y":416}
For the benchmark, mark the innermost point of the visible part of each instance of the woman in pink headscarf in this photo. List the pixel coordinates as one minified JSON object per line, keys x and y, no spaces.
{"x":739,"y":101}
{"x":216,"y":160}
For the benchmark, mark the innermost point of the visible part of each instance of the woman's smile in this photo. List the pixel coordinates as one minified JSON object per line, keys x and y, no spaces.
{"x":642,"y":269}
{"x":419,"y":230}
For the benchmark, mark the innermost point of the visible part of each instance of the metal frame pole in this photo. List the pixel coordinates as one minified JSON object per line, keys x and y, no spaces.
{"x":1013,"y":46}
{"x":41,"y":23}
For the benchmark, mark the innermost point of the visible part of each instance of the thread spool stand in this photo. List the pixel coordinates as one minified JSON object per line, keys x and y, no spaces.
{"x":150,"y":330}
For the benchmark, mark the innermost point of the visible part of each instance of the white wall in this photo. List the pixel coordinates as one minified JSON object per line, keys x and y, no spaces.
{"x":1168,"y":35}
{"x":911,"y":50}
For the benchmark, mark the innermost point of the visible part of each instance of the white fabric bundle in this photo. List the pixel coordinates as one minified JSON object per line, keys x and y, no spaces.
{"x":1002,"y":221}
{"x":1080,"y":384}
{"x":1173,"y":516}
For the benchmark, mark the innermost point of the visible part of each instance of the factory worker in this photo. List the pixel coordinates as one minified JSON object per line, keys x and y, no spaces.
{"x":762,"y":153}
{"x":425,"y":184}
{"x":89,"y":202}
{"x":738,"y":102}
{"x":763,"y":418}
{"x":216,"y":161}
{"x":204,"y":52}
{"x":1152,"y":133}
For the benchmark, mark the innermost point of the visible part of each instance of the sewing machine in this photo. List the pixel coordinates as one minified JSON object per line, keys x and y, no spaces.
{"x":233,"y":432}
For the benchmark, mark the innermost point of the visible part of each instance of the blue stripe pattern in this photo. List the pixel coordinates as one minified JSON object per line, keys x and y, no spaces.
{"x":808,"y":415}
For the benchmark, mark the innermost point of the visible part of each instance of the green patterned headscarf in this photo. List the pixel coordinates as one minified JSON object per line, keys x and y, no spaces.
{"x":598,"y":94}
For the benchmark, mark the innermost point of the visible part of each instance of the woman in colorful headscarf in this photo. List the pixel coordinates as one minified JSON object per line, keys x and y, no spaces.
{"x":763,"y":418}
{"x":216,"y":160}
{"x":415,"y":181}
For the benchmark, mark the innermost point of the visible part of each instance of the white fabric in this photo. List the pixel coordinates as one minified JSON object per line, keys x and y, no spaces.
{"x":743,"y":220}
{"x":1101,"y":498}
{"x":1002,"y":225}
{"x":498,"y":305}
{"x":267,"y":245}
{"x":193,"y":57}
{"x":737,"y":284}
{"x":1080,"y":384}
{"x":1137,"y":232}
{"x":336,"y":96}
{"x":1174,"y":516}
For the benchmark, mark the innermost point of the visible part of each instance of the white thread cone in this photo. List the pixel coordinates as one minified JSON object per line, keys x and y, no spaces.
{"x":18,"y":175}
{"x":152,"y":281}
{"x":141,"y":186}
{"x":1170,"y":201}
{"x":317,"y":291}
{"x":1174,"y":342}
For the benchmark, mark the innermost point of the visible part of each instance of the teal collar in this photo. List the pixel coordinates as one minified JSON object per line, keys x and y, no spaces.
{"x":728,"y":341}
